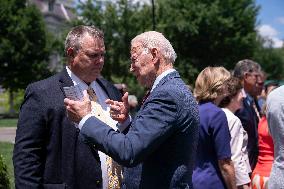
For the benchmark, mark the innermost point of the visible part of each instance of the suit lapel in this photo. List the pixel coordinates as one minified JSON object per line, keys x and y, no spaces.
{"x":111,"y":93}
{"x":64,"y":80}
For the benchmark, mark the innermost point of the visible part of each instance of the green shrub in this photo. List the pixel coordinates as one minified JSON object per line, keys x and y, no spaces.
{"x":4,"y":179}
{"x":4,"y":101}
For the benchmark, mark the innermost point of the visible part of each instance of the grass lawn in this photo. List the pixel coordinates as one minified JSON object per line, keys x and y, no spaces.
{"x":6,"y":149}
{"x":8,"y":122}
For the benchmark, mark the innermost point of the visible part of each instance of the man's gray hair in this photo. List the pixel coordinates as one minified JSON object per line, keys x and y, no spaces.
{"x":153,"y":39}
{"x":244,"y":66}
{"x":73,"y":39}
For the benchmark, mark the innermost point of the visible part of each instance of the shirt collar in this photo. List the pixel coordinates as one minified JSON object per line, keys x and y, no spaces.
{"x":161,"y":76}
{"x":77,"y":81}
{"x":244,"y":93}
{"x":248,"y":98}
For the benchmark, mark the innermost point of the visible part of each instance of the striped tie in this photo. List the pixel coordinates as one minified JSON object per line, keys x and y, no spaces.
{"x":114,"y":170}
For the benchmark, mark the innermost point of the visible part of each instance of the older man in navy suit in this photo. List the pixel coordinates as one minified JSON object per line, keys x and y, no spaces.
{"x":164,"y":133}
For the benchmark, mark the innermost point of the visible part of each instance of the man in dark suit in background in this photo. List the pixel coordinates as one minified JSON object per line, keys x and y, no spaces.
{"x":249,"y":72}
{"x":164,"y":133}
{"x":48,"y":152}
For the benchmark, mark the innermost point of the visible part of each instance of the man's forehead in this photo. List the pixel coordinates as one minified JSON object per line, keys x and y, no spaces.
{"x":88,"y":37}
{"x":92,"y":42}
{"x":256,"y":72}
{"x":135,"y":47}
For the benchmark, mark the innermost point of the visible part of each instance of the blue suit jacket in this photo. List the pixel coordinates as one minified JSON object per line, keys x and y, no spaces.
{"x":163,"y":136}
{"x":249,"y":121}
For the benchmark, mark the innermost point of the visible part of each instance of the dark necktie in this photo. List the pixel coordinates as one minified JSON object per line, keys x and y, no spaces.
{"x":145,"y":97}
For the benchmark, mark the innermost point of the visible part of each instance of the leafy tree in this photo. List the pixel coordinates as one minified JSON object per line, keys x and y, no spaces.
{"x":271,"y":59}
{"x":23,"y":46}
{"x":203,"y":32}
{"x":4,"y":178}
{"x":208,"y":32}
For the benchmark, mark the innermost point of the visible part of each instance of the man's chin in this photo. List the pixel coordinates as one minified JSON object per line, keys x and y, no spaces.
{"x":140,"y":83}
{"x":93,"y":78}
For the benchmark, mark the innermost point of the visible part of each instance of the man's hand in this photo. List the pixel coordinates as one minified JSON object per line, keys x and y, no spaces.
{"x":76,"y":110}
{"x":119,"y":110}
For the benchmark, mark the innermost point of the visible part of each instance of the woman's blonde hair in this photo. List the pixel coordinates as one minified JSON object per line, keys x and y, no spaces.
{"x":210,"y":83}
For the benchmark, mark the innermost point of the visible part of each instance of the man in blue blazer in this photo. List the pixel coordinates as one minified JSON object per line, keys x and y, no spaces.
{"x":48,"y":152}
{"x":164,"y":133}
{"x":248,"y":72}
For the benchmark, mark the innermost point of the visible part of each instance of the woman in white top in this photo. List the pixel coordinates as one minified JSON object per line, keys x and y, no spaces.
{"x":239,"y":138}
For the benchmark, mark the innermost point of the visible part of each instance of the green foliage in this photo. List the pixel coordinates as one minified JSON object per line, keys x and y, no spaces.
{"x":4,"y":105}
{"x":203,"y":32}
{"x":4,"y":101}
{"x":23,"y":45}
{"x":6,"y":149}
{"x":271,"y":59}
{"x":4,"y":179}
{"x":8,"y":122}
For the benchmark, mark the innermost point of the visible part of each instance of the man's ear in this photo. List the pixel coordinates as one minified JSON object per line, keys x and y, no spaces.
{"x":246,"y":75}
{"x":155,"y":54}
{"x":70,"y":52}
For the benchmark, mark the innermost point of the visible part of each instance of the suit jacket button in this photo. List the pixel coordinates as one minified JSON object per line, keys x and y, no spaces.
{"x":98,"y":183}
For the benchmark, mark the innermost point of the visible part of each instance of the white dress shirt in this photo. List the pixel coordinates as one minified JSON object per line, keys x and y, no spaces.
{"x":101,"y":97}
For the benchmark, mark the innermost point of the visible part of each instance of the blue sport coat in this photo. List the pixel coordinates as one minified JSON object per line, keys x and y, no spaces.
{"x":249,"y":121}
{"x":163,"y":136}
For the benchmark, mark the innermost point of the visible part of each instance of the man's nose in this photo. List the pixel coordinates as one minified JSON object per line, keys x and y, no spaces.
{"x":101,"y":59}
{"x":131,"y":69}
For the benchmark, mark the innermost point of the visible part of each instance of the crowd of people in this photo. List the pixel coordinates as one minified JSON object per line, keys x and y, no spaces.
{"x":227,"y":132}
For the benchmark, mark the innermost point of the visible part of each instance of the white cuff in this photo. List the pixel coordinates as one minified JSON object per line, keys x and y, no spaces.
{"x":122,"y":126}
{"x":82,"y":122}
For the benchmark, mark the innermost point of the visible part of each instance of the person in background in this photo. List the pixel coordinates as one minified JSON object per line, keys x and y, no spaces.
{"x":239,"y":138}
{"x":262,"y":170}
{"x":268,"y":86}
{"x":164,"y":134}
{"x":48,"y":152}
{"x":249,"y":72}
{"x":214,"y":167}
{"x":122,"y":87}
{"x":259,"y":88}
{"x":133,"y":104}
{"x":275,"y":118}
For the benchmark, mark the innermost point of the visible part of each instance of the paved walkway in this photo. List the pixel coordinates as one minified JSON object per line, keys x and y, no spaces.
{"x":7,"y":134}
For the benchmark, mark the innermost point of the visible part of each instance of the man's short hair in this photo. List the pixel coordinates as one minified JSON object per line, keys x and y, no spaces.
{"x":153,"y":39}
{"x":73,"y":39}
{"x":244,"y":66}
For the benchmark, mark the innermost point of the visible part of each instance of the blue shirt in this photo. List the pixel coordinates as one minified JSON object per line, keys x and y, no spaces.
{"x":213,"y":145}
